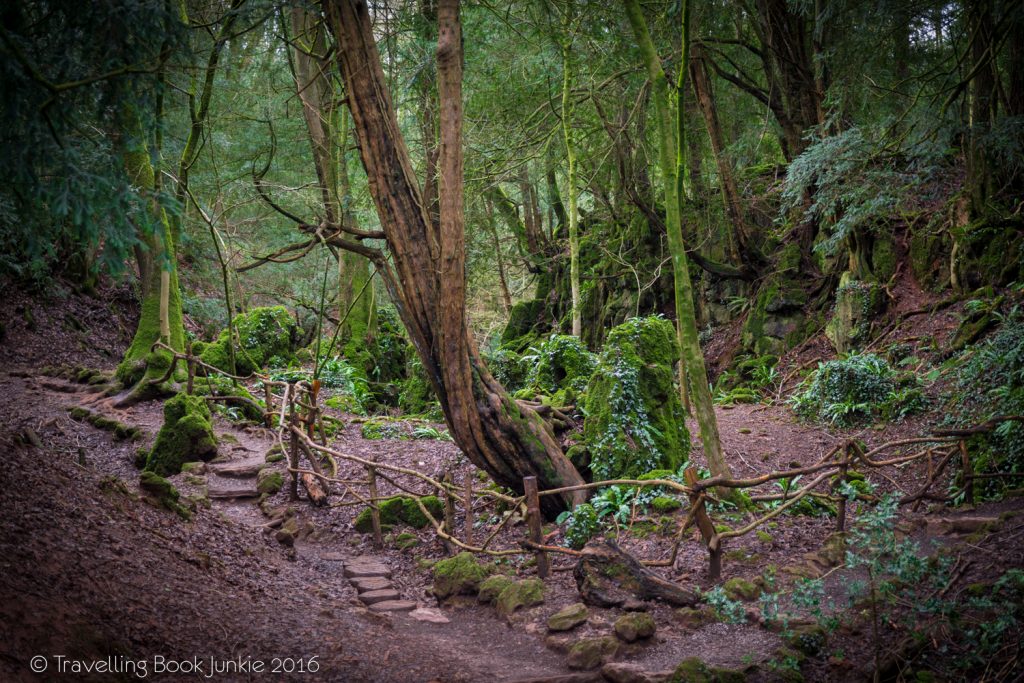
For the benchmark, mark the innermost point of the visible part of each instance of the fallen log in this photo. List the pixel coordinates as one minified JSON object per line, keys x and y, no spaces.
{"x":608,"y":577}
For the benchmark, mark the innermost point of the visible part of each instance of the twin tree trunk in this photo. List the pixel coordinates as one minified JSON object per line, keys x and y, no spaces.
{"x":426,"y":277}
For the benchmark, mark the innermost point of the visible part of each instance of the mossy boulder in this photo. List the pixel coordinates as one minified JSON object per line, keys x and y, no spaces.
{"x":262,"y":334}
{"x":568,"y":618}
{"x":740,"y":589}
{"x":561,"y":364}
{"x":400,"y":510}
{"x":858,"y":303}
{"x":635,"y":421}
{"x":694,"y":670}
{"x":524,"y":325}
{"x":808,"y":639}
{"x":405,"y":541}
{"x":161,"y":492}
{"x":776,"y":321}
{"x":492,"y":587}
{"x":525,"y":593}
{"x":590,"y":653}
{"x":416,"y":396}
{"x":185,"y":436}
{"x":459,"y":575}
{"x":635,"y":626}
{"x":414,"y":517}
{"x":666,"y":504}
{"x":269,"y":481}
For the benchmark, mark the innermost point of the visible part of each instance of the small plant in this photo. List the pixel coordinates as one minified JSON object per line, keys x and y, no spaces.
{"x":727,"y":609}
{"x":582,"y":525}
{"x":431,"y":433}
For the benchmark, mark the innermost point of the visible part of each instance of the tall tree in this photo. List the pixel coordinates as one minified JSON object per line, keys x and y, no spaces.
{"x":687,"y":338}
{"x":569,"y":134}
{"x":427,"y":279}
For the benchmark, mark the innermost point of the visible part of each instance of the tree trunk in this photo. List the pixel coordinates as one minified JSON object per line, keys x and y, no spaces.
{"x":689,"y":344}
{"x":570,"y":155}
{"x":505,"y":439}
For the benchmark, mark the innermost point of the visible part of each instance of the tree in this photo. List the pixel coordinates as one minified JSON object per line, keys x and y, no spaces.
{"x":688,"y":342}
{"x":427,"y":279}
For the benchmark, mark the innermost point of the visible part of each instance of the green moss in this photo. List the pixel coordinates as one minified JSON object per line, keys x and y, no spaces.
{"x":568,"y":618}
{"x":400,"y":510}
{"x":414,"y":517}
{"x":741,"y":589}
{"x":590,"y":653}
{"x":185,"y":436}
{"x":492,"y":587}
{"x":635,"y":626}
{"x":405,"y":540}
{"x":269,"y":481}
{"x":524,"y":321}
{"x":635,"y":422}
{"x":262,"y":333}
{"x":665,"y":504}
{"x":417,"y":394}
{"x":560,"y":363}
{"x":525,"y":593}
{"x":459,"y":575}
{"x":163,"y":493}
{"x":692,"y":670}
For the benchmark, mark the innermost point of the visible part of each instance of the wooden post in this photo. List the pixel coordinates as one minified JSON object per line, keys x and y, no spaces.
{"x":191,"y":370}
{"x":706,"y":526}
{"x":449,"y":512}
{"x":293,"y":443}
{"x":378,"y":535}
{"x":469,"y":508}
{"x":533,"y":520}
{"x":968,"y":473}
{"x":841,"y":506}
{"x":268,"y":407}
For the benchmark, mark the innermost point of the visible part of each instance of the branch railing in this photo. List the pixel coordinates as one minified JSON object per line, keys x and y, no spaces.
{"x":293,"y":411}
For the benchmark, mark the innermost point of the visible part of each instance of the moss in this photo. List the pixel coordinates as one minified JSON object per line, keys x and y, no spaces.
{"x":635,"y":626}
{"x":763,"y":536}
{"x":400,"y":510}
{"x":590,"y":653}
{"x":405,"y":541}
{"x":525,"y":593}
{"x":163,"y":493}
{"x":492,"y":587}
{"x":857,"y":304}
{"x":262,"y":333}
{"x":741,"y":589}
{"x":185,"y":436}
{"x":417,"y":395}
{"x":568,"y":618}
{"x":414,"y":517}
{"x":459,"y":575}
{"x":776,"y":320}
{"x":810,"y":639}
{"x":635,"y":422}
{"x":561,"y":363}
{"x":665,"y":504}
{"x":509,"y":368}
{"x":524,"y":321}
{"x":269,"y":481}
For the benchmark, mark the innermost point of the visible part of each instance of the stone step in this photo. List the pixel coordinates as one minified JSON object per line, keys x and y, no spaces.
{"x":231,"y":493}
{"x":373,"y":597}
{"x":393,"y":606}
{"x":238,"y":470}
{"x":358,"y":570}
{"x":371,"y":583}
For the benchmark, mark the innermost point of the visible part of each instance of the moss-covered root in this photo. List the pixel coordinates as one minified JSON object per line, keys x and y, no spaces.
{"x":119,"y":429}
{"x":162,"y":493}
{"x":186,"y":435}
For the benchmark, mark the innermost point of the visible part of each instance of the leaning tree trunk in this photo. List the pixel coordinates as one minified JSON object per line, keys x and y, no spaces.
{"x":505,"y":439}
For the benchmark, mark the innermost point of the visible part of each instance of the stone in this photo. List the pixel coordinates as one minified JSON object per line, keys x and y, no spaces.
{"x":525,"y":593}
{"x":232,"y":492}
{"x":568,"y":618}
{"x":371,"y":583}
{"x":241,"y":470}
{"x":695,"y":617}
{"x":186,"y":436}
{"x":372,"y":597}
{"x":559,"y":642}
{"x":740,"y":589}
{"x":492,"y":587}
{"x":429,"y":615}
{"x":590,"y":653}
{"x":393,"y":606}
{"x":459,"y":575}
{"x":365,"y":569}
{"x":635,"y":626}
{"x":623,"y":672}
{"x":269,"y":481}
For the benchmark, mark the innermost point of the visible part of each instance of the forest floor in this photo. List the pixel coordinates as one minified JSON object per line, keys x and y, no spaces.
{"x":89,"y":570}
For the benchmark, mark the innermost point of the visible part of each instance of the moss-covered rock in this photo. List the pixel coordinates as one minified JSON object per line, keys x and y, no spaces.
{"x":635,"y":626}
{"x":740,"y":589}
{"x":405,"y":541}
{"x":414,"y":517}
{"x":808,"y":639}
{"x":635,"y":422}
{"x":492,"y":587}
{"x":262,"y":333}
{"x":524,"y":325}
{"x":561,"y":364}
{"x":459,"y":575}
{"x":590,"y":653}
{"x":694,"y":670}
{"x":525,"y":593}
{"x":417,"y":396}
{"x":269,"y":481}
{"x":400,"y":510}
{"x":568,"y":618}
{"x":185,"y":436}
{"x":858,"y":303}
{"x":508,"y":367}
{"x":161,"y":492}
{"x":776,"y":320}
{"x":666,"y":504}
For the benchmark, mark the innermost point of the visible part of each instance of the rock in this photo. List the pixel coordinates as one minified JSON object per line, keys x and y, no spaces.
{"x":269,"y":481}
{"x":371,"y":583}
{"x":265,"y":332}
{"x":241,"y":470}
{"x":197,"y":467}
{"x":233,"y":492}
{"x":608,"y":577}
{"x":740,"y":589}
{"x":809,"y":639}
{"x":559,"y":642}
{"x":693,"y":670}
{"x":393,"y":606}
{"x":634,"y":626}
{"x":590,"y":653}
{"x":492,"y":587}
{"x":622,"y":672}
{"x":185,"y":436}
{"x":404,"y":541}
{"x":429,"y":615}
{"x":459,"y":575}
{"x":162,"y":493}
{"x":365,"y":568}
{"x":695,"y":617}
{"x":373,"y":597}
{"x":525,"y":593}
{"x":568,"y":618}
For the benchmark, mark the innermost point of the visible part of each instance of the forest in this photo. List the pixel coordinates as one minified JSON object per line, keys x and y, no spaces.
{"x":549,"y":341}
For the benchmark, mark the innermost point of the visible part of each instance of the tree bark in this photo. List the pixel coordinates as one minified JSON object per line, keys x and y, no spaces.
{"x":689,"y":344}
{"x":505,"y":439}
{"x":570,"y":156}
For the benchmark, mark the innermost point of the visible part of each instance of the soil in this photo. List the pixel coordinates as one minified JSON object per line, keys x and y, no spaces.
{"x":92,"y":570}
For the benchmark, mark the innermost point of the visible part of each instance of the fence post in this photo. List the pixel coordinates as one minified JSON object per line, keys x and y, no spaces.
{"x":268,"y":410}
{"x":841,"y":506}
{"x":968,"y":473}
{"x":469,"y":508}
{"x":293,"y":443}
{"x":706,"y":526}
{"x":533,"y":520}
{"x":371,"y":480}
{"x":449,"y":512}
{"x":191,"y":369}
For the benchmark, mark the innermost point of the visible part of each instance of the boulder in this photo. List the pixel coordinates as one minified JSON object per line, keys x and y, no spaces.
{"x":590,"y":653}
{"x":492,"y":587}
{"x":635,"y":626}
{"x":459,"y":575}
{"x":185,"y":436}
{"x":568,"y":618}
{"x":525,"y":593}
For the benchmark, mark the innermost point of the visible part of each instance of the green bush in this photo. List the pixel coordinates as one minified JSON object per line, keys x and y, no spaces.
{"x":855,"y":389}
{"x":560,"y":366}
{"x":582,"y":525}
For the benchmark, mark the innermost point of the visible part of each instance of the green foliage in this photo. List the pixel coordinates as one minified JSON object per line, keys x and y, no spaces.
{"x":634,"y":420}
{"x":417,"y":395}
{"x":509,"y":368}
{"x":728,"y":610}
{"x":856,"y":388}
{"x":185,"y":436}
{"x":431,"y":433}
{"x":262,"y":334}
{"x":582,"y":525}
{"x":560,"y":365}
